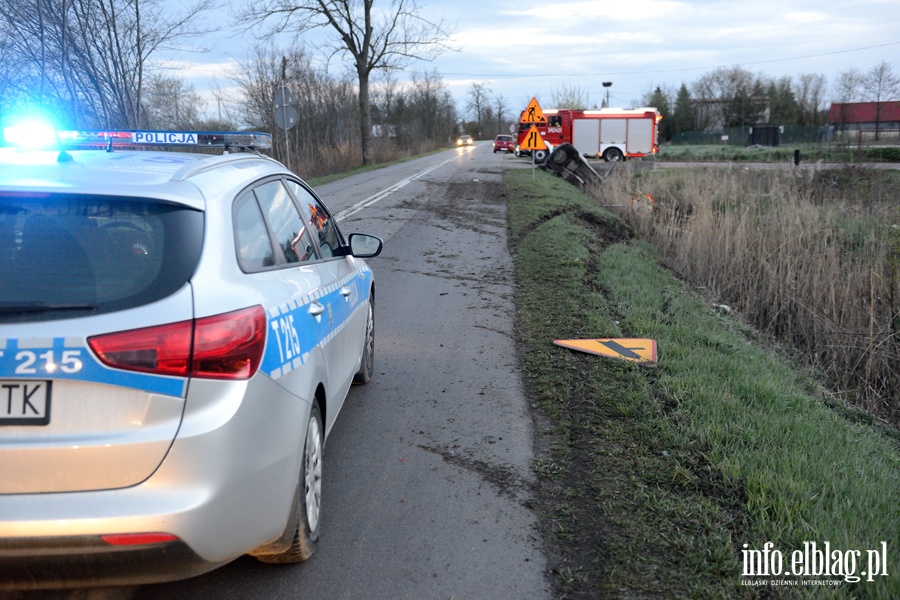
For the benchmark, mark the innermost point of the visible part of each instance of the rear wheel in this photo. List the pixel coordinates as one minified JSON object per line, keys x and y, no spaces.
{"x":367,"y":366}
{"x":613,"y":154}
{"x":540,"y":156}
{"x":309,"y":497}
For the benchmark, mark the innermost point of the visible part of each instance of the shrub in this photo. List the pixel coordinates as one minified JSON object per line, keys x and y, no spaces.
{"x":811,"y":258}
{"x":888,"y":154}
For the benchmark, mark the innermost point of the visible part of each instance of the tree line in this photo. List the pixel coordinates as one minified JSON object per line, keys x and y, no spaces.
{"x":736,"y":97}
{"x":724,"y":98}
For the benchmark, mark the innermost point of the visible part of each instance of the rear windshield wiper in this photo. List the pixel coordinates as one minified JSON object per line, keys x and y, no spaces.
{"x":10,"y":308}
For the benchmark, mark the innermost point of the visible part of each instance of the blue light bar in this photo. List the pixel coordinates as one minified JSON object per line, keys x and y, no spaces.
{"x":189,"y":139}
{"x":31,"y":136}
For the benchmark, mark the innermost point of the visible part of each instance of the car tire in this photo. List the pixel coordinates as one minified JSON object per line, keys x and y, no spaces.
{"x":540,"y":156}
{"x":613,"y":154}
{"x":367,"y":365}
{"x":308,"y":502}
{"x":559,"y":157}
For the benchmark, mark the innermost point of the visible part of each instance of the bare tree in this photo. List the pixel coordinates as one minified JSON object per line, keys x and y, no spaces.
{"x":90,"y":57}
{"x":14,"y":77}
{"x":575,"y":98}
{"x":375,"y":39}
{"x":810,"y":94}
{"x":171,"y":104}
{"x":500,"y":109}
{"x":431,"y":112}
{"x":881,"y":85}
{"x":327,"y":105}
{"x":715,"y":95}
{"x":848,"y":88}
{"x":383,"y":99}
{"x":478,"y":101}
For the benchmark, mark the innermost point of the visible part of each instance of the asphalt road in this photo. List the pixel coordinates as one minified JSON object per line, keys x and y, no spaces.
{"x":428,"y":469}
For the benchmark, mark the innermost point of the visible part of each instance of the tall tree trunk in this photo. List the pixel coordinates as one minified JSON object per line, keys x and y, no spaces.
{"x":365,"y":117}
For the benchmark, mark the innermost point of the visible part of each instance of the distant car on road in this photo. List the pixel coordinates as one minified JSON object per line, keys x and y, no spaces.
{"x":178,"y":332}
{"x":465,"y":140}
{"x":504,"y":142}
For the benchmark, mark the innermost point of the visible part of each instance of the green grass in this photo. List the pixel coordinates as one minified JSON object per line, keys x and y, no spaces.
{"x":656,"y":477}
{"x":732,"y":152}
{"x":781,"y":154}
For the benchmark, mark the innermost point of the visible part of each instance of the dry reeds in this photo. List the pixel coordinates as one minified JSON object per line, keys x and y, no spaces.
{"x":809,"y":257}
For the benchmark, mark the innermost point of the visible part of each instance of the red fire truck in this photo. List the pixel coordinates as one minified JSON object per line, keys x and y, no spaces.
{"x":608,"y":133}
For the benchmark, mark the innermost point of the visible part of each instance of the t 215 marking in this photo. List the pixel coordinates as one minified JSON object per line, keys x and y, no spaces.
{"x":286,"y":337}
{"x":29,"y":362}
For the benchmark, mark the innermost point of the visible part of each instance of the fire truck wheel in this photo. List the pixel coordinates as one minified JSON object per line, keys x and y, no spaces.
{"x":612,"y":154}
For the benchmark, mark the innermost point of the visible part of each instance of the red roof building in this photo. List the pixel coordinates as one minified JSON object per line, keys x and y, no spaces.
{"x":865,"y":115}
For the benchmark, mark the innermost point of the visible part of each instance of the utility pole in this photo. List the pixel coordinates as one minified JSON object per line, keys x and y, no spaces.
{"x":285,"y":110}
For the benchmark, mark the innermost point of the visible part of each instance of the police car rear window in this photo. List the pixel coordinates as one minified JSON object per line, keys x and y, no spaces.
{"x":64,"y":256}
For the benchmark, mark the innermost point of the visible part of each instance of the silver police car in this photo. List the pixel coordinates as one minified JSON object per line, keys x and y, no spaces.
{"x":178,"y":333}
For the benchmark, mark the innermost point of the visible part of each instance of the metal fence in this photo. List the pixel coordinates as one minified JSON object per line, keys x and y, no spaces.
{"x":794,"y":134}
{"x":740,"y":136}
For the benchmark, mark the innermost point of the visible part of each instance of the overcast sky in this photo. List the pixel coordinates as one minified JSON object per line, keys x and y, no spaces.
{"x":526,"y":48}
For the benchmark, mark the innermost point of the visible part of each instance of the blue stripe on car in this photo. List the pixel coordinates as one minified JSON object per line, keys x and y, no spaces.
{"x":70,"y":359}
{"x":292,"y":333}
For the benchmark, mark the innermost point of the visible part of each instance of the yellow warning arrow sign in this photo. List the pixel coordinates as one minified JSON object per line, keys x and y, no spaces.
{"x":533,"y":114}
{"x":533,"y":140}
{"x":641,"y":351}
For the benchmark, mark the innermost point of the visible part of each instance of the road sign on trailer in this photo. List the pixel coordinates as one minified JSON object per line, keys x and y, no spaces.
{"x":533,"y":140}
{"x":642,"y":351}
{"x":533,"y":114}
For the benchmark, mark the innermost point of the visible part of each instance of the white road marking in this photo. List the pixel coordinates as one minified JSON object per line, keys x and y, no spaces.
{"x":386,"y":192}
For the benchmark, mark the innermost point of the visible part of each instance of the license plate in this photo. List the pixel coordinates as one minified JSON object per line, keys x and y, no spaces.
{"x":24,"y":402}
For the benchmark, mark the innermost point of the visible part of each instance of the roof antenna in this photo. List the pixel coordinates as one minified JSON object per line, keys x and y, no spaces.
{"x":63,"y":156}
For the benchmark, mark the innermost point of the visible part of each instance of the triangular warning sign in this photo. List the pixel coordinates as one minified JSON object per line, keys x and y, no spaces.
{"x":641,"y":351}
{"x":533,"y":114}
{"x":533,"y":140}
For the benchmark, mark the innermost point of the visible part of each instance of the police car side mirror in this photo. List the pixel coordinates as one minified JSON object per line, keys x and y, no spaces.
{"x":363,"y":245}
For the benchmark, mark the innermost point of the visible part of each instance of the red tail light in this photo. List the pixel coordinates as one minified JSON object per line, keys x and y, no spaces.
{"x":227,"y":346}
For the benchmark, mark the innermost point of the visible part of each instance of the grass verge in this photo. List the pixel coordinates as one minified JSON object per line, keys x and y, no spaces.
{"x":658,"y":481}
{"x":780,"y":154}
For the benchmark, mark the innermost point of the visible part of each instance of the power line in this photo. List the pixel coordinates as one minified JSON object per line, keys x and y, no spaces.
{"x":679,"y":70}
{"x":762,"y":62}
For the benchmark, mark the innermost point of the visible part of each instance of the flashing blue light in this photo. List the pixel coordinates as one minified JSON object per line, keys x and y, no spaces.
{"x":32,"y":134}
